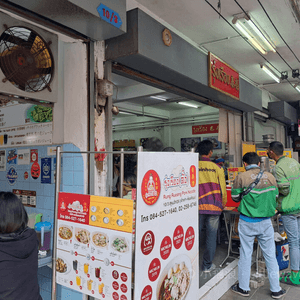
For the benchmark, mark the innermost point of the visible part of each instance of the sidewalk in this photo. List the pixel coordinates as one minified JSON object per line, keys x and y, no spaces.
{"x":263,"y":292}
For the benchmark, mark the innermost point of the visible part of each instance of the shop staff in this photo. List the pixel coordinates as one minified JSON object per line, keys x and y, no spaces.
{"x":257,"y":191}
{"x":287,"y":174}
{"x":212,"y":200}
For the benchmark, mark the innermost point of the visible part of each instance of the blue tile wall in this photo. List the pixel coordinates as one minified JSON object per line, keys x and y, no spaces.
{"x":72,"y":175}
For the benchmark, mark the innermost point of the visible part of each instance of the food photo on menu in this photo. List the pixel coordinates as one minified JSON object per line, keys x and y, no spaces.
{"x":82,"y":235}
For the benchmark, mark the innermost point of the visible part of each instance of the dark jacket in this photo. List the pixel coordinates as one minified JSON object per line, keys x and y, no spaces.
{"x":19,"y":266}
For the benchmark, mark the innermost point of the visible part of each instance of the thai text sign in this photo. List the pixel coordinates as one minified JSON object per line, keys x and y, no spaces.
{"x":202,"y":129}
{"x":222,"y":77}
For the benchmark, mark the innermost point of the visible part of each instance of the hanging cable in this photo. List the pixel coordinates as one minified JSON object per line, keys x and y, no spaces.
{"x":241,"y":35}
{"x":277,"y":30}
{"x":262,"y":33}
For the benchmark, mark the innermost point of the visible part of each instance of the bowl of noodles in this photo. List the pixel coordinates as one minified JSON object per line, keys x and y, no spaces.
{"x":82,"y":235}
{"x":65,"y":232}
{"x":174,"y":281}
{"x":100,"y":239}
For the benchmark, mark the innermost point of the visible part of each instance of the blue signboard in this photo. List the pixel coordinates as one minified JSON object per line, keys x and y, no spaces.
{"x":46,"y":170}
{"x":12,"y":176}
{"x":109,"y":16}
{"x":12,"y":156}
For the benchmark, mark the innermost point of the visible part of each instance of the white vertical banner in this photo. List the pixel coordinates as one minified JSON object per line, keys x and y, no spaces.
{"x":166,"y":255}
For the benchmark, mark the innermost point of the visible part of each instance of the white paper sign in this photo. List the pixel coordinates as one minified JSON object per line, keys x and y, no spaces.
{"x":166,"y":255}
{"x":23,"y":156}
{"x":2,"y":160}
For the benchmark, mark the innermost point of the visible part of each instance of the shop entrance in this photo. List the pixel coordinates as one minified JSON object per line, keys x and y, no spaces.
{"x":160,"y":120}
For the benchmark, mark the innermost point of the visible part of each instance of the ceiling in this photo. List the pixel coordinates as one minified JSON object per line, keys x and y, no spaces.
{"x":210,"y":28}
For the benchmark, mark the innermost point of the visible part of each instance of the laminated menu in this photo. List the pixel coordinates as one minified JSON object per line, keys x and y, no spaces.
{"x":94,"y":245}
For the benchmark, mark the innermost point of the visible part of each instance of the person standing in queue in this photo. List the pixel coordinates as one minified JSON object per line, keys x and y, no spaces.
{"x":257,"y":191}
{"x":18,"y":252}
{"x":287,"y":174}
{"x":212,"y":200}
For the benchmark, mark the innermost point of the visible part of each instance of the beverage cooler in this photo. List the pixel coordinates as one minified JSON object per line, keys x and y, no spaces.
{"x":94,"y":245}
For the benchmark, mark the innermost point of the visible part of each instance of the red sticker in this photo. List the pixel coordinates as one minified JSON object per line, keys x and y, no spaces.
{"x":124,"y":288}
{"x":154,"y":269}
{"x":193,"y":176}
{"x":115,"y":285}
{"x":150,"y":187}
{"x":178,"y":237}
{"x":147,"y":243}
{"x":189,"y":238}
{"x":26,"y":175}
{"x":123,"y":277}
{"x":165,"y":247}
{"x":115,"y":296}
{"x":115,"y":274}
{"x":35,"y":170}
{"x":33,"y":155}
{"x":147,"y":293}
{"x":123,"y":297}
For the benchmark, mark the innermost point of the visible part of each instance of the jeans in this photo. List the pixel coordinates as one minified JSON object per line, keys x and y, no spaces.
{"x":291,"y":224}
{"x":212,"y":223}
{"x":264,"y":233}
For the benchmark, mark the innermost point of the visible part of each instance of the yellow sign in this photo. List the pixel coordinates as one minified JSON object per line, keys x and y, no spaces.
{"x":111,"y":213}
{"x":288,"y":153}
{"x":248,"y":148}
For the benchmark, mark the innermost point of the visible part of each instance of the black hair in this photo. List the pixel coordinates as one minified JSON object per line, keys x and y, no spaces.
{"x":13,"y":215}
{"x":277,"y":148}
{"x":130,"y":178}
{"x":205,"y":147}
{"x":251,"y":158}
{"x":169,"y":149}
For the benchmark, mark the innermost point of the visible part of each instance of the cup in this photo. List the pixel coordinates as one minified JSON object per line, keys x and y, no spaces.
{"x":86,"y":268}
{"x":89,"y":284}
{"x":75,"y":265}
{"x":78,"y":280}
{"x":97,"y":272}
{"x":100,"y":288}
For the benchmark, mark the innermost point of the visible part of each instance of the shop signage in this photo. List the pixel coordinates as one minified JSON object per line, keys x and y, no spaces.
{"x":202,"y":129}
{"x":12,"y":176}
{"x":2,"y":160}
{"x":166,"y":225}
{"x":223,"y":77}
{"x":109,"y":16}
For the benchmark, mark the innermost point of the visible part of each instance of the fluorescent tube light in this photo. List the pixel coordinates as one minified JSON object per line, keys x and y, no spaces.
{"x":259,"y":33}
{"x":126,"y":113}
{"x":187,"y":104}
{"x":159,"y":98}
{"x":270,"y":73}
{"x":297,"y":87}
{"x":254,"y":42}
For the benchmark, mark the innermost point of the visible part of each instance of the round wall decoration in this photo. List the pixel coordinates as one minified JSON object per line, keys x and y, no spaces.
{"x":167,"y":37}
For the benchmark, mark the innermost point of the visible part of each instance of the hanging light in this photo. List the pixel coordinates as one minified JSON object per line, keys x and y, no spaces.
{"x":270,"y":73}
{"x":187,"y":104}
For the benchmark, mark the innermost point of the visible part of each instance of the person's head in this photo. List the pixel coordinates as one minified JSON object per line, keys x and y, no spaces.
{"x":205,"y":148}
{"x":13,"y":215}
{"x":154,"y":144}
{"x":220,"y":161}
{"x":169,"y":149}
{"x":251,"y":158}
{"x":275,"y":150}
{"x":129,"y":183}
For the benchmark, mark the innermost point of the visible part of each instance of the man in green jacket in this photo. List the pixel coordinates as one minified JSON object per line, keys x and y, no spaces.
{"x":287,"y":174}
{"x":257,"y":207}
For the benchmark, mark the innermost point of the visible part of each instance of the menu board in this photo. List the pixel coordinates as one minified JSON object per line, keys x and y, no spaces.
{"x":25,"y":124}
{"x":92,"y":258}
{"x":233,"y":172}
{"x":166,"y":252}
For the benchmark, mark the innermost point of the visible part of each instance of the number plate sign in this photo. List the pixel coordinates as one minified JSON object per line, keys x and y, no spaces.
{"x":109,"y":16}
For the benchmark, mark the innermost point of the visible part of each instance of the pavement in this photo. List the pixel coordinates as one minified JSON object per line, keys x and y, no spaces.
{"x":263,"y":292}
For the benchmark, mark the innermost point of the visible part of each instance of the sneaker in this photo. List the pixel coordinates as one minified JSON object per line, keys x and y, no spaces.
{"x":211,"y":268}
{"x":235,"y":288}
{"x":278,"y":295}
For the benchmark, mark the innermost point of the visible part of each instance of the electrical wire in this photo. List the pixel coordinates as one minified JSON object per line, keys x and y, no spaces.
{"x":277,"y":30}
{"x":245,"y":39}
{"x":263,"y":34}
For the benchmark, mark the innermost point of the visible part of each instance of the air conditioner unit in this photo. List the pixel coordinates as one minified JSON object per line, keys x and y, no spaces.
{"x":28,"y":60}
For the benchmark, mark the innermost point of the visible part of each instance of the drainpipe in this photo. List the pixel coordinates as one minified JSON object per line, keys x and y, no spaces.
{"x":250,"y":137}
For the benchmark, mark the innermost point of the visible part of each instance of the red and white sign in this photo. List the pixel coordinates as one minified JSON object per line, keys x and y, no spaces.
{"x":166,"y":223}
{"x":223,"y":77}
{"x":34,"y":155}
{"x":203,"y":129}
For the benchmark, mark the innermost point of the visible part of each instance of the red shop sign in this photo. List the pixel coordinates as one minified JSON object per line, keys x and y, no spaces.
{"x":223,"y":77}
{"x":209,"y":128}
